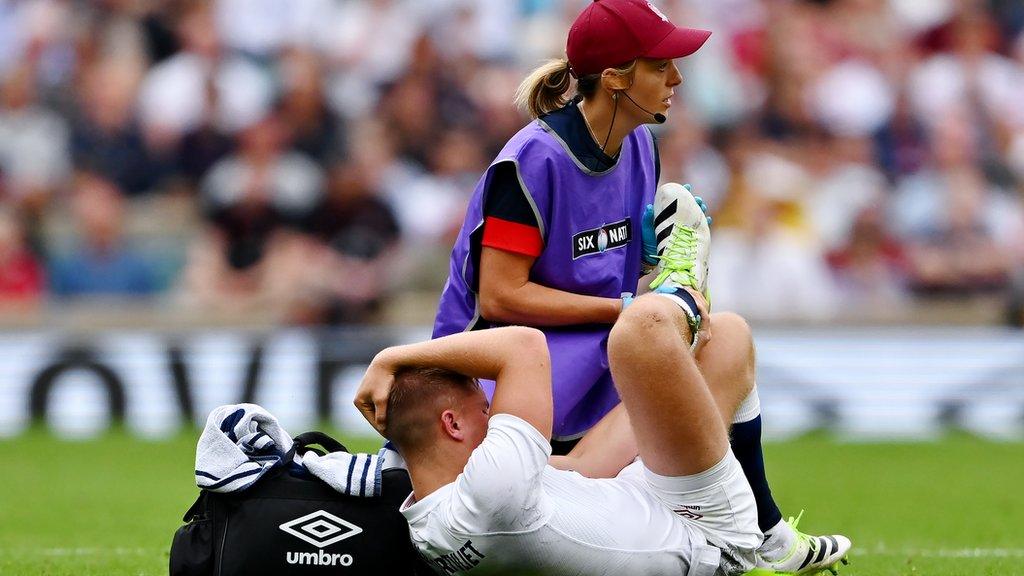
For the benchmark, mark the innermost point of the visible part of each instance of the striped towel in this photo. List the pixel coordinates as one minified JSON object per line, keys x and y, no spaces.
{"x":240,"y":443}
{"x":391,"y":457}
{"x":353,"y":474}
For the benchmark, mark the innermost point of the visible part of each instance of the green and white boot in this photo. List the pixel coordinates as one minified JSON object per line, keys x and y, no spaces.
{"x":684,"y":239}
{"x":787,"y":550}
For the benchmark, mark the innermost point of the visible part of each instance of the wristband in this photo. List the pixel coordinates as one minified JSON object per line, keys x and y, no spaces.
{"x":627,"y":299}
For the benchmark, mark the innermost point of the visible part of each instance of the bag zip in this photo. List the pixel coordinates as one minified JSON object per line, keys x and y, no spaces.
{"x":224,"y":538}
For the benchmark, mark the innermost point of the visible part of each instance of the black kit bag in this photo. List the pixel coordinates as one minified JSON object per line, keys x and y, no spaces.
{"x":292,"y":524}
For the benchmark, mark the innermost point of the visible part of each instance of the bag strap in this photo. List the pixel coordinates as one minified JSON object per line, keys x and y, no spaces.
{"x":307,"y":439}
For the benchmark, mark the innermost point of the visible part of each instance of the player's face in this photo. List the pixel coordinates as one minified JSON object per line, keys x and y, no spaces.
{"x":654,"y":83}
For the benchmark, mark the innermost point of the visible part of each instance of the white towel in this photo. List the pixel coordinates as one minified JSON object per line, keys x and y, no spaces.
{"x":240,"y":443}
{"x":353,"y":474}
{"x":391,"y":457}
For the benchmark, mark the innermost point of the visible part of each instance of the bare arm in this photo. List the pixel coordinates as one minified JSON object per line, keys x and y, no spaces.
{"x":605,"y":450}
{"x":516,"y":358}
{"x":508,"y":295}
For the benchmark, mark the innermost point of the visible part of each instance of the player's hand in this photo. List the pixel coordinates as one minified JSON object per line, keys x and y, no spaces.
{"x":703,"y":335}
{"x":372,"y":396}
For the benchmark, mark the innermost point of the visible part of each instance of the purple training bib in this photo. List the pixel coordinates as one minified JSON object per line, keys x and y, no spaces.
{"x":590,"y":224}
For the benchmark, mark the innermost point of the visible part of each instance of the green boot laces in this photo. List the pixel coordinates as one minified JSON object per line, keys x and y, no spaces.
{"x":679,"y":258}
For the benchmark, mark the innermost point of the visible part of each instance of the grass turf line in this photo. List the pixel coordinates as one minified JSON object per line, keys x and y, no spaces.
{"x":109,"y":506}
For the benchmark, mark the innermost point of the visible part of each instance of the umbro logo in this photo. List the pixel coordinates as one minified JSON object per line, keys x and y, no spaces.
{"x":321,"y":528}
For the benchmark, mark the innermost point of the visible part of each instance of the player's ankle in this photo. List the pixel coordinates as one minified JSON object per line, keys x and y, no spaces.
{"x":778,"y":541}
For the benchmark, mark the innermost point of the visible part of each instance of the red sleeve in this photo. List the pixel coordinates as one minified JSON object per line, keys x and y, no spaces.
{"x":512,"y":237}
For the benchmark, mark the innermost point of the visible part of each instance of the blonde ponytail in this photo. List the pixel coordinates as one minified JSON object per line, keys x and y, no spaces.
{"x":543,"y":90}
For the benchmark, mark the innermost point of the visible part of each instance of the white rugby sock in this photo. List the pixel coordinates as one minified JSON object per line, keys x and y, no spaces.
{"x":778,"y":540}
{"x":749,"y":409}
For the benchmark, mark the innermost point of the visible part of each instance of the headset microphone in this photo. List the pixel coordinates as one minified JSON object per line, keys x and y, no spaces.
{"x":658,"y":116}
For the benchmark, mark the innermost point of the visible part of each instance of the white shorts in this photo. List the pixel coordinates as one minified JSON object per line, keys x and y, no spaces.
{"x":717,"y":502}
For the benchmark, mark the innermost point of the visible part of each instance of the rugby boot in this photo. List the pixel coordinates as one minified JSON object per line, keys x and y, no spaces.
{"x":684,"y":240}
{"x":683,"y":246}
{"x":786,"y":550}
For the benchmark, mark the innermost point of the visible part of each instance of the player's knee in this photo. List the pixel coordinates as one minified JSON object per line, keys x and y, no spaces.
{"x":644,"y":317}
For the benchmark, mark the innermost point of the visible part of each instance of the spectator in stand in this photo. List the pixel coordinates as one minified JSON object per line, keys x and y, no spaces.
{"x":845,"y":183}
{"x":965,"y":252}
{"x":372,"y":42}
{"x":902,"y":143}
{"x":315,"y":130}
{"x":262,"y":188}
{"x":359,"y":236}
{"x":102,"y":262}
{"x":22,"y":278}
{"x":871,"y":268}
{"x":202,"y":146}
{"x":403,"y":109}
{"x":963,"y":233}
{"x":262,"y":29}
{"x":432,"y":207}
{"x":34,"y":157}
{"x":48,"y":37}
{"x":429,"y":83}
{"x":202,"y":82}
{"x":106,"y":139}
{"x":795,"y":58}
{"x":967,"y":76}
{"x":256,"y":201}
{"x":763,"y":240}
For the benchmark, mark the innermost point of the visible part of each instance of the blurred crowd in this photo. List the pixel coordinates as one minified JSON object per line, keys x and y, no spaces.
{"x":311,"y":158}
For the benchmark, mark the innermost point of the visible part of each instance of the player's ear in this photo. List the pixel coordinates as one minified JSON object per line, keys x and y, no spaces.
{"x":451,"y":426}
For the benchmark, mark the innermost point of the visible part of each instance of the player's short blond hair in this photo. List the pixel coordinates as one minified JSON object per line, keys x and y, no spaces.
{"x":418,"y":396}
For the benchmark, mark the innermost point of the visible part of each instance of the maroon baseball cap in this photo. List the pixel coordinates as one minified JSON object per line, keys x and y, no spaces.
{"x":609,"y":33}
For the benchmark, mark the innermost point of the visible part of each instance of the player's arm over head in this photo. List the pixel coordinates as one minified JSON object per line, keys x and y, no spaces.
{"x":440,"y":372}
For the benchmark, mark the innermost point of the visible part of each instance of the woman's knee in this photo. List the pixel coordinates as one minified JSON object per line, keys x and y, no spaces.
{"x":731,"y":328}
{"x":729,"y":354}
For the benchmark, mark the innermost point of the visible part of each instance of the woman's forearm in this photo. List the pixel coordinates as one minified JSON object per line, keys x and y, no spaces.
{"x":533,"y":304}
{"x":508,"y":295}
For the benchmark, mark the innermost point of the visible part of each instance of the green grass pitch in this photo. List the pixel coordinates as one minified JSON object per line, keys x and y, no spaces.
{"x":952,"y":507}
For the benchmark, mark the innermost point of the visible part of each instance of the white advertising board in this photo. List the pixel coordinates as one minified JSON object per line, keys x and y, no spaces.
{"x":872,"y":384}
